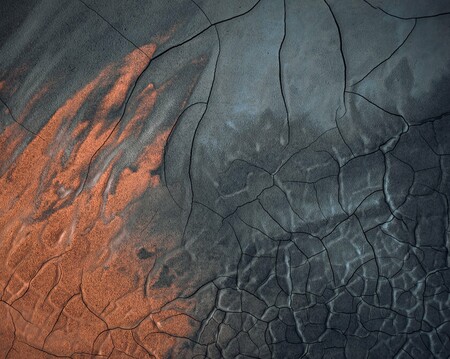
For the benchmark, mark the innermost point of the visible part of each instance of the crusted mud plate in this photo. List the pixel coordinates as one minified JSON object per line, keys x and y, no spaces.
{"x":224,"y":179}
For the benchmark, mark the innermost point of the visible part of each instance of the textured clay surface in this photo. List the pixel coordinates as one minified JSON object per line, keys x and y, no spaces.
{"x":224,"y":179}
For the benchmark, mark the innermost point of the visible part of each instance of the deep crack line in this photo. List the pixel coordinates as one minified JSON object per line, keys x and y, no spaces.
{"x":405,"y":122}
{"x":280,"y":75}
{"x":388,"y":58}
{"x":406,"y":18}
{"x":336,"y":120}
{"x":203,"y":12}
{"x":183,"y":236}
{"x":166,"y":147}
{"x":342,"y":55}
{"x":195,"y":136}
{"x":19,"y":123}
{"x":140,"y":76}
{"x":116,"y":29}
{"x":379,"y":107}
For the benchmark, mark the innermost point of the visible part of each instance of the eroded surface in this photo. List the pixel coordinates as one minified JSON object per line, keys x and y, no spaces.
{"x":221,"y":179}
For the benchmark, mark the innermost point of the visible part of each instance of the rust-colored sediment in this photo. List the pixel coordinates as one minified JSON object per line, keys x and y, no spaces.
{"x":70,"y":280}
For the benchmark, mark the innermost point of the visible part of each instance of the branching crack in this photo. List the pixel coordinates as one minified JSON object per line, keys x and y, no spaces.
{"x":115,"y":28}
{"x":386,"y":59}
{"x":133,"y":87}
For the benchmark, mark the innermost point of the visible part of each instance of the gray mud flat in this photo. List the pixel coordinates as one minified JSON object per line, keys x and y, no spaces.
{"x":224,"y":179}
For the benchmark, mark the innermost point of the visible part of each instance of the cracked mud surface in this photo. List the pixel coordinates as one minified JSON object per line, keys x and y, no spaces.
{"x":222,"y":179}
